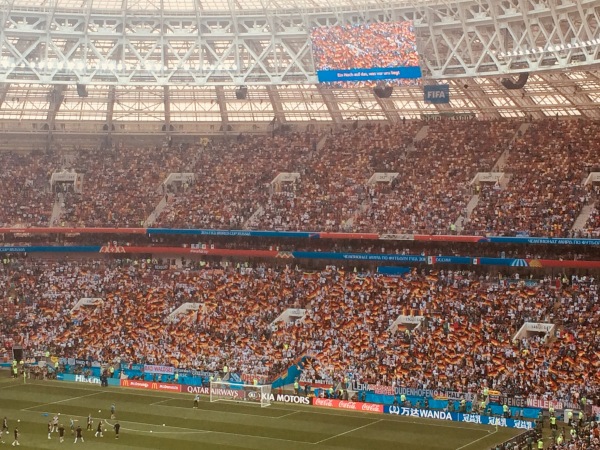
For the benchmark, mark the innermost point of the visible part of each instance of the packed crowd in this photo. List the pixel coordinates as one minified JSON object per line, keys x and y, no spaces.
{"x":333,"y":184}
{"x":432,"y":189}
{"x":347,"y":328}
{"x":26,"y":195}
{"x":121,"y":187}
{"x":547,"y":165}
{"x":592,"y":227}
{"x":234,"y":181}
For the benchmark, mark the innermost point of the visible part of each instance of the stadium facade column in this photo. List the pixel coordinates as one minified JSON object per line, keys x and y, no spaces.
{"x":110,"y":106}
{"x":222,"y":106}
{"x":167,"y":103}
{"x":3,"y":91}
{"x":56,"y":97}
{"x":330,"y":103}
{"x":388,"y":108}
{"x":276,"y":102}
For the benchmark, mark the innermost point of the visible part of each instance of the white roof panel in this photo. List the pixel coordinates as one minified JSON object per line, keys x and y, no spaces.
{"x":202,"y":5}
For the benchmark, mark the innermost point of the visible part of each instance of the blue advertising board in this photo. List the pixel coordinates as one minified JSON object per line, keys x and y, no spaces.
{"x":51,"y":249}
{"x":360,"y":256}
{"x":459,"y":417}
{"x":85,"y":379}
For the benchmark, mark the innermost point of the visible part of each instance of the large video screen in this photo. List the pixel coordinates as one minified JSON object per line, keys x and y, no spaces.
{"x":366,"y":53}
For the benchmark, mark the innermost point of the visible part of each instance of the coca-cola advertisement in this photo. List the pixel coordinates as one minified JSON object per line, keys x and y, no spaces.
{"x":344,"y":404}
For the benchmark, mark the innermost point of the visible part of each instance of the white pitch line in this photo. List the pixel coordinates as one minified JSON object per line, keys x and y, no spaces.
{"x":60,"y":401}
{"x":159,"y":403}
{"x":191,"y":431}
{"x":287,"y":415}
{"x":349,"y":431}
{"x":151,"y":425}
{"x":477,"y":440}
{"x":70,"y":386}
{"x":12,"y":385}
{"x":213,"y":411}
{"x":187,"y":430}
{"x":166,"y":432}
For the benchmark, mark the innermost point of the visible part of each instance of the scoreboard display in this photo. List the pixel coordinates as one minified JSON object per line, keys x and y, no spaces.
{"x":366,"y":54}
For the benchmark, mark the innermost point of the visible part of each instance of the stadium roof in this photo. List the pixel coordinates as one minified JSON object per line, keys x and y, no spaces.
{"x":210,"y":6}
{"x":563,"y":78}
{"x":572,"y":94}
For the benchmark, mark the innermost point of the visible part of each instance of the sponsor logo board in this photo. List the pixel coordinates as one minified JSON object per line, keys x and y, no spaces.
{"x":433,"y":393}
{"x":84,"y":379}
{"x":343,"y":404}
{"x":458,"y":417}
{"x":287,"y":398}
{"x":151,"y":385}
{"x":165,"y":370}
{"x":533,"y":402}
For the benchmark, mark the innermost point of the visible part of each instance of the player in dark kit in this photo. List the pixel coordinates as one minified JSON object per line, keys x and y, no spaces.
{"x":16,"y":441}
{"x":49,"y":430}
{"x":117,"y":427}
{"x":61,"y":433}
{"x":78,"y":435}
{"x":90,"y":421}
{"x":99,"y":429}
{"x":5,"y":425}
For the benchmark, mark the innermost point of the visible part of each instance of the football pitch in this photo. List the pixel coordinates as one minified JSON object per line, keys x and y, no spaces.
{"x":156,"y":420}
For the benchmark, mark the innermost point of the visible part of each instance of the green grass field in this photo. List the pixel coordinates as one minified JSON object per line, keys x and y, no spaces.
{"x":219,"y":425}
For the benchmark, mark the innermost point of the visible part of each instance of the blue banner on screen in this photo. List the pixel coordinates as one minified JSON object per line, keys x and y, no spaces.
{"x":437,"y":94}
{"x":374,"y":73}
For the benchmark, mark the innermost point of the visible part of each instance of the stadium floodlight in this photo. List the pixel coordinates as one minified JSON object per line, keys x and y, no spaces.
{"x":224,"y":391}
